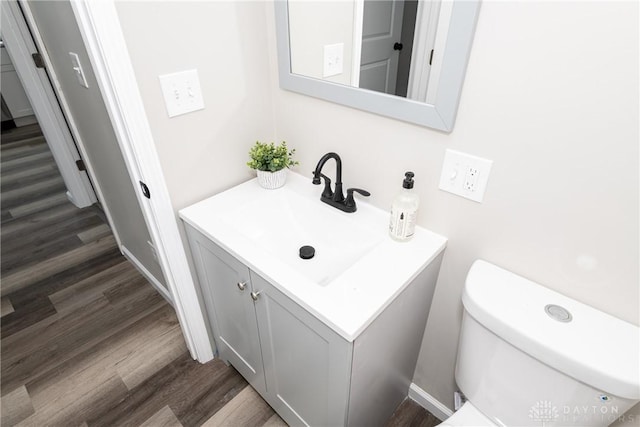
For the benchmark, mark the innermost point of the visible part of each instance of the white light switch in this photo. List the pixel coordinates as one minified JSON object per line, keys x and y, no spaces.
{"x":465,"y":175}
{"x":333,"y":59}
{"x":77,"y":69}
{"x":182,"y":92}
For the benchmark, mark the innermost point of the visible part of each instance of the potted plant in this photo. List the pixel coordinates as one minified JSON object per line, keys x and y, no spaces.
{"x":271,"y":163}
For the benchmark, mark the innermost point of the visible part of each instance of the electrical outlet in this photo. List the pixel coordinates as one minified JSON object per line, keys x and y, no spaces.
{"x":465,"y":175}
{"x":471,"y":179}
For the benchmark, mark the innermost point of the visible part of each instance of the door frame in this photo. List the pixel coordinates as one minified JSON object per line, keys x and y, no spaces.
{"x":20,"y":46}
{"x":432,"y":18}
{"x":356,"y":56}
{"x":102,"y":35}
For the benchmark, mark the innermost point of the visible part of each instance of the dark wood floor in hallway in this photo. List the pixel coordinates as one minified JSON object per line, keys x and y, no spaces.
{"x":85,"y":339}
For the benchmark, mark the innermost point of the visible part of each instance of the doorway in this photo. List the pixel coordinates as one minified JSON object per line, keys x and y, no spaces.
{"x":37,"y":103}
{"x":52,"y":27}
{"x":99,"y":42}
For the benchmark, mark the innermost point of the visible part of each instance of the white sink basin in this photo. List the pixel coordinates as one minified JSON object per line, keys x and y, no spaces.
{"x":357,"y":268}
{"x":282,"y":221}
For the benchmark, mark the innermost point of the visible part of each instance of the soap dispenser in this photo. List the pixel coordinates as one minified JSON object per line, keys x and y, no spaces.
{"x":404,"y":211}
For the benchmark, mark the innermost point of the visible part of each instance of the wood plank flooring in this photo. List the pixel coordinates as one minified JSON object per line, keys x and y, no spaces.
{"x":85,"y":340}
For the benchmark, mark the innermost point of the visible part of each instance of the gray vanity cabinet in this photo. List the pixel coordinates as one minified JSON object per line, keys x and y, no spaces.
{"x":305,"y":370}
{"x":306,"y":364}
{"x":227,"y":296}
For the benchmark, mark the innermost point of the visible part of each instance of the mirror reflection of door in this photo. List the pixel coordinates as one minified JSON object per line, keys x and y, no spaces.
{"x":367,"y":32}
{"x":387,"y":38}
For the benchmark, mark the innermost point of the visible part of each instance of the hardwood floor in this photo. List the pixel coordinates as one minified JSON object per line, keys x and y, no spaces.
{"x":85,"y":340}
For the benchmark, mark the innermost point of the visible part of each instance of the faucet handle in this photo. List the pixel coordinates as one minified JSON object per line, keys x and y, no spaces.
{"x":350,"y":201}
{"x":357,"y":190}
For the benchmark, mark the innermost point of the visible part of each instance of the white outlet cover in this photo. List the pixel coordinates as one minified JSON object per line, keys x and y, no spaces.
{"x":181,"y":92}
{"x":465,"y":175}
{"x":77,"y":69}
{"x":333,"y":59}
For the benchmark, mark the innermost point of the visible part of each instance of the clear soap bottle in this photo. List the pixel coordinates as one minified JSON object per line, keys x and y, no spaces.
{"x":404,"y":211}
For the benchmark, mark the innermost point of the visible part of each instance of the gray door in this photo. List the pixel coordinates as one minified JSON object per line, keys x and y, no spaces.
{"x":381,"y":29}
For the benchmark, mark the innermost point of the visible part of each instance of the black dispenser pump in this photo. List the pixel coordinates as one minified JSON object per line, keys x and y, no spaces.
{"x":408,"y":180}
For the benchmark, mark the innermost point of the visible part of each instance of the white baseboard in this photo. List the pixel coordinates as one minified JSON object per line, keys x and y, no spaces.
{"x":150,"y":277}
{"x":72,"y":200}
{"x":429,"y":402}
{"x":76,"y":203}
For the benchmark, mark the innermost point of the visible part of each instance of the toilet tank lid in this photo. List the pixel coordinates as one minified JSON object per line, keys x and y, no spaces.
{"x":593,"y":347}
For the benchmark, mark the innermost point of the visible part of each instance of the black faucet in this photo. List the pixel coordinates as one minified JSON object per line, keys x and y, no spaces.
{"x":336,"y":198}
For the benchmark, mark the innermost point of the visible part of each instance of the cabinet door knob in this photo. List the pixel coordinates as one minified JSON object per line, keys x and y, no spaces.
{"x":242,"y":285}
{"x":254,"y":295}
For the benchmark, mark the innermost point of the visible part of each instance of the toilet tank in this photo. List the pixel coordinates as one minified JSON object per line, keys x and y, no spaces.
{"x":529,"y":356}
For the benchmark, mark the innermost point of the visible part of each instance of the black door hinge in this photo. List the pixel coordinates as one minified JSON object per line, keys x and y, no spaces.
{"x":145,"y":190}
{"x":431,"y":57}
{"x":81,"y":166}
{"x":38,"y":60}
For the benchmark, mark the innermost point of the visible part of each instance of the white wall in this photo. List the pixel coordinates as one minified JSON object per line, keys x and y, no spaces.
{"x":206,"y":151}
{"x":314,"y":24}
{"x":551,"y":95}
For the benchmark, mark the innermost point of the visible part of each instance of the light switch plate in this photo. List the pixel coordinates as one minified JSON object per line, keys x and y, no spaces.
{"x":181,"y":92}
{"x":333,"y":59}
{"x":465,"y":175}
{"x":77,"y":69}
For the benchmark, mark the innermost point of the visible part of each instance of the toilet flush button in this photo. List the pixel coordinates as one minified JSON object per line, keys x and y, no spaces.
{"x":558,"y":313}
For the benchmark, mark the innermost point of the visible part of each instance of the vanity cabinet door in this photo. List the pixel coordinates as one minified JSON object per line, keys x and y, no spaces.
{"x":226,"y":289}
{"x":307,"y":365}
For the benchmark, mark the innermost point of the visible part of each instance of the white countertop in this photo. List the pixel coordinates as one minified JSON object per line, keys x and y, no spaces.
{"x":347,"y":301}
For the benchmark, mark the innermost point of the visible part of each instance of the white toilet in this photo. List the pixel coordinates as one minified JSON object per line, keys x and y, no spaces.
{"x":529,"y":356}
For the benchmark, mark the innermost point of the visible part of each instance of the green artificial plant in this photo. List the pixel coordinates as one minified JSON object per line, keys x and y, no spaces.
{"x":271,"y":158}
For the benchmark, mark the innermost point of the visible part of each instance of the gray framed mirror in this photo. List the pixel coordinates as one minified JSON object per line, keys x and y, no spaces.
{"x":325,"y":51}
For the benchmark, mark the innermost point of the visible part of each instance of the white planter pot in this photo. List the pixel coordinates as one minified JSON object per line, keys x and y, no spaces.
{"x":272,"y":180}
